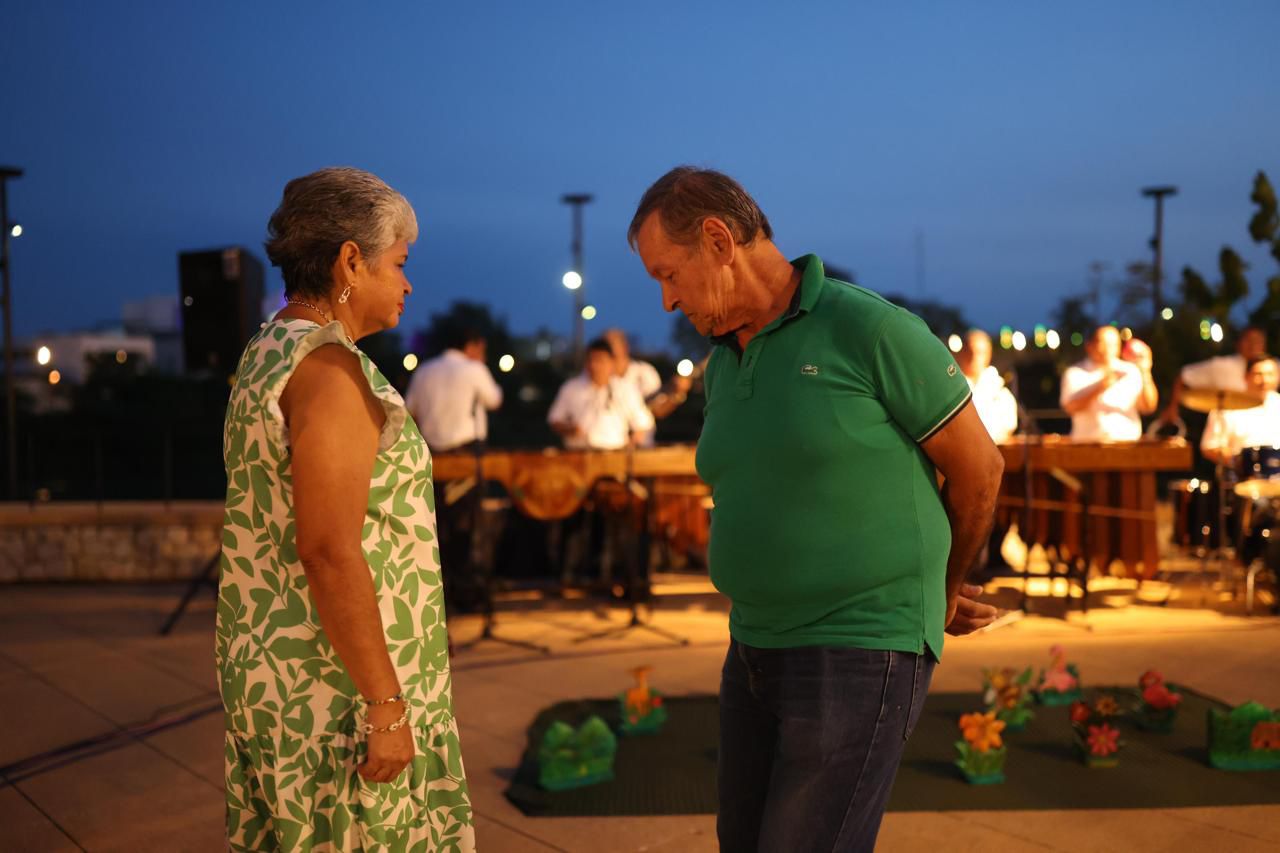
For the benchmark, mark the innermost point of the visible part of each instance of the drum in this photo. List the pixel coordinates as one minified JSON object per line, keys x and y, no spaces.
{"x":1259,"y":473}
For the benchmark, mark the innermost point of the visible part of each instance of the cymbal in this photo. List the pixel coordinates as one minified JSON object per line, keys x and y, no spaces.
{"x":1209,"y":399}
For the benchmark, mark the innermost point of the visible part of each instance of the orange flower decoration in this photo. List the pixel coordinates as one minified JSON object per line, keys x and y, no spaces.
{"x":982,"y":731}
{"x":1106,"y":706}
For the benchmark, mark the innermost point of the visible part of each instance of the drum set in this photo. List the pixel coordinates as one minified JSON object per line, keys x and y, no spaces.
{"x":1232,"y":521}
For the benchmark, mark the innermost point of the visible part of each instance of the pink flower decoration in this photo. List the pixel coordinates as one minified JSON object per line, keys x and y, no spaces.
{"x":1103,"y":740}
{"x":1059,"y":680}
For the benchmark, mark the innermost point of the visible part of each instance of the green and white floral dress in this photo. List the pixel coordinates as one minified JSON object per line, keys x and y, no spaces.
{"x":291,"y":709}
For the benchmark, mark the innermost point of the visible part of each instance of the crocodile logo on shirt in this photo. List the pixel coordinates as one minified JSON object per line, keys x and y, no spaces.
{"x":951,"y":370}
{"x":809,"y":370}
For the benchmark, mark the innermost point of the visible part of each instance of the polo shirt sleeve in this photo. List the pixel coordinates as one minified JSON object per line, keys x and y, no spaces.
{"x":919,"y":383}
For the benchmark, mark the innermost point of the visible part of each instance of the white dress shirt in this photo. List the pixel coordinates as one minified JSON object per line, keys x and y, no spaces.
{"x":448,"y":396}
{"x":1222,"y":372}
{"x":644,"y":376}
{"x":607,"y":415}
{"x":1113,"y":414}
{"x":995,"y":404}
{"x":1231,"y":431}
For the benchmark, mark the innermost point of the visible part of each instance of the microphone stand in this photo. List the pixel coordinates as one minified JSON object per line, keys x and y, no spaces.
{"x":637,"y":578}
{"x":485,"y":573}
{"x":1029,"y":428}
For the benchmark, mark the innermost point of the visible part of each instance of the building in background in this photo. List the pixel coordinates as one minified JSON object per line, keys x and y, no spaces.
{"x":159,"y":318}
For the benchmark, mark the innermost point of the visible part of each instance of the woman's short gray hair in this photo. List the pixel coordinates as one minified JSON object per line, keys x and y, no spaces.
{"x":323,"y":210}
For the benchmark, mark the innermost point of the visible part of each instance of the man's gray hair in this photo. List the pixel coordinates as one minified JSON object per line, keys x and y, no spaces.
{"x":687,"y":196}
{"x":323,"y":210}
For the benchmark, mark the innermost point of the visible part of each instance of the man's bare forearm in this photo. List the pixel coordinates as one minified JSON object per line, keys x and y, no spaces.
{"x":971,"y":511}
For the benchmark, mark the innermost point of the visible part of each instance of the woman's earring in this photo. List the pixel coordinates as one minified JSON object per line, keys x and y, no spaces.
{"x":345,"y":293}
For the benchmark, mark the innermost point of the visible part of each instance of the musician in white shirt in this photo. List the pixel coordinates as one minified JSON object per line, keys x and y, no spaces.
{"x":995,"y":403}
{"x":449,"y":395}
{"x":1223,"y":372}
{"x":1227,"y":433}
{"x":647,"y":382}
{"x":1105,"y":394}
{"x":596,"y":410}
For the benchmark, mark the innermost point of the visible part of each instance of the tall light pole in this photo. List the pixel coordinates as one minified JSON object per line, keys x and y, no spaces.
{"x":6,"y":301}
{"x":577,"y":201}
{"x":1157,"y":245}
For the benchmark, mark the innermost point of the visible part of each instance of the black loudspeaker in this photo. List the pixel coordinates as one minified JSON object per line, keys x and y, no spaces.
{"x":221,"y":293}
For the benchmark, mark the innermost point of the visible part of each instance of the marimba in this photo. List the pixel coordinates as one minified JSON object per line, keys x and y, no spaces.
{"x":1119,"y":482}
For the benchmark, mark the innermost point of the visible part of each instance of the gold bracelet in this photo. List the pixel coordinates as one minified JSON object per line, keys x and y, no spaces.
{"x":399,"y":697}
{"x":370,"y":728}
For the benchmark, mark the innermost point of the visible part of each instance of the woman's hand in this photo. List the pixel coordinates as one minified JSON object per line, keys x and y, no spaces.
{"x":389,"y":752}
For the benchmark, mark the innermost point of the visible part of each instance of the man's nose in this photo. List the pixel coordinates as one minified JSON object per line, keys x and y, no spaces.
{"x":668,"y":297}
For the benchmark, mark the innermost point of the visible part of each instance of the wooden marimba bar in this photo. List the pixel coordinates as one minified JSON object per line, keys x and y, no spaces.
{"x":1120,"y":479}
{"x":552,"y":484}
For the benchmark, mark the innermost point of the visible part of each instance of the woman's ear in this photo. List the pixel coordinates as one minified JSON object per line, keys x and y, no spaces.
{"x":349,"y":262}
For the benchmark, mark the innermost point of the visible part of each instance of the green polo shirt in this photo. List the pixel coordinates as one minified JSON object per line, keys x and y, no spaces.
{"x":828,"y":526}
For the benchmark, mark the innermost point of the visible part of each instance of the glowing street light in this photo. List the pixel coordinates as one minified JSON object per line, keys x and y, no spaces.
{"x":1019,"y":341}
{"x":16,"y":230}
{"x":410,"y":362}
{"x":571,"y":280}
{"x":507,"y":363}
{"x":54,"y":377}
{"x":1215,"y":332}
{"x":588,"y":312}
{"x":1053,"y":339}
{"x":684,"y":367}
{"x":1167,"y":313}
{"x":44,"y":355}
{"x":954,"y":343}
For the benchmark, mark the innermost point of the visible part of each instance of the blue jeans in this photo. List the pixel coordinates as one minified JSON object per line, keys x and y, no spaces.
{"x":810,"y":741}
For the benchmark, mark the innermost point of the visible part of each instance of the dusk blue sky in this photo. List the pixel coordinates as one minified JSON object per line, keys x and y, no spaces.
{"x":1014,"y":136}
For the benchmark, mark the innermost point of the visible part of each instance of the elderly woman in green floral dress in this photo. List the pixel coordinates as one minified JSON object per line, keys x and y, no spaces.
{"x":331,"y":644}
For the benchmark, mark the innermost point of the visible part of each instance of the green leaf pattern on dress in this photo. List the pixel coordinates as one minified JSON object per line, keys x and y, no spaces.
{"x":291,"y":713}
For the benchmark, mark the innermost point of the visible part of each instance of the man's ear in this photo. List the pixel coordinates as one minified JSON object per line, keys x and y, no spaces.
{"x":717,"y":237}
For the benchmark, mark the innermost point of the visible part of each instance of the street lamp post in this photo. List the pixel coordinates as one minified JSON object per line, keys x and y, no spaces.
{"x":6,"y":301}
{"x":577,"y":201}
{"x":1157,"y":245}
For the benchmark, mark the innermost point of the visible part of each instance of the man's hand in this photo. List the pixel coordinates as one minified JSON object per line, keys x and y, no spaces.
{"x":965,"y":614}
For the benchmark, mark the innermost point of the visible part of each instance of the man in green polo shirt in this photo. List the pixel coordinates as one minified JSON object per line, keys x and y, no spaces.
{"x":830,"y":413}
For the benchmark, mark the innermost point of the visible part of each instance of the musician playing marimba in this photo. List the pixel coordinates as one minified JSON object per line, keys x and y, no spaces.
{"x":1228,"y":432}
{"x":994,"y":402}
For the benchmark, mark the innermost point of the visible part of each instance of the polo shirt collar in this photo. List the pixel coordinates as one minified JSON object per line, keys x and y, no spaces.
{"x":812,"y":276}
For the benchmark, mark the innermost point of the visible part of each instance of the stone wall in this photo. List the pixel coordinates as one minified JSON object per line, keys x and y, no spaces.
{"x":108,"y":541}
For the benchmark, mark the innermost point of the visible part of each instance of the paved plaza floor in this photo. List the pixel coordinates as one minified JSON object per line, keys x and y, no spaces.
{"x":111,"y":735}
